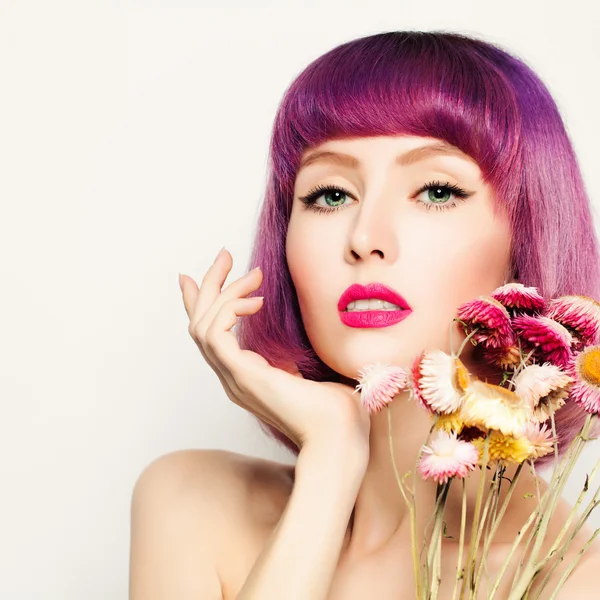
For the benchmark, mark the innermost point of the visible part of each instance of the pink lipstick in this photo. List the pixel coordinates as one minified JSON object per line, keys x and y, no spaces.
{"x":372,"y":318}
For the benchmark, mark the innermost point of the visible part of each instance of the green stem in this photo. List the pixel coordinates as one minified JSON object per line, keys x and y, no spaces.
{"x":504,"y":506}
{"x":574,"y":564}
{"x":482,"y":523}
{"x":460,"y":570}
{"x":411,"y":508}
{"x":517,"y":541}
{"x":545,"y":500}
{"x":464,"y":343}
{"x":533,"y":567}
{"x":429,"y":540}
{"x":434,"y":554}
{"x":588,"y":479}
{"x":472,"y":548}
{"x":592,"y":505}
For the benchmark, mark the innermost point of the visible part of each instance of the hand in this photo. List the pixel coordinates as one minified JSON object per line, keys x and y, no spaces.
{"x":304,"y":410}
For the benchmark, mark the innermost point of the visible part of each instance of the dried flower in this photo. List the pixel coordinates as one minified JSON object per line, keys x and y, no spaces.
{"x":446,"y":457}
{"x":544,"y":387}
{"x":450,"y":423}
{"x":505,"y":358}
{"x":439,"y":381}
{"x":379,"y":383}
{"x":580,"y":315}
{"x":516,"y":297}
{"x":585,"y":369}
{"x":540,"y":437}
{"x":506,"y":448}
{"x":491,"y":319}
{"x":550,"y":340}
{"x":489,"y":406}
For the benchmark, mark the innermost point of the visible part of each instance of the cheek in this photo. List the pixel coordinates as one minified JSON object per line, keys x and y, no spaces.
{"x":313,"y":260}
{"x":452,"y":265}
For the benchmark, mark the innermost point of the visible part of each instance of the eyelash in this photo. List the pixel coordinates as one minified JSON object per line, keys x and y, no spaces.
{"x":310,"y":199}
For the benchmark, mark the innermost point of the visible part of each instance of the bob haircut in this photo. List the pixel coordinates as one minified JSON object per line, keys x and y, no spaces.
{"x":459,"y":89}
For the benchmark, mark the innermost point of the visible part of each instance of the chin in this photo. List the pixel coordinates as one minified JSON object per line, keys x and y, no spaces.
{"x":349,"y":364}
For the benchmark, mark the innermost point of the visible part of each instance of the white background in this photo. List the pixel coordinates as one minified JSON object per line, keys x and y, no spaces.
{"x":133,"y":145}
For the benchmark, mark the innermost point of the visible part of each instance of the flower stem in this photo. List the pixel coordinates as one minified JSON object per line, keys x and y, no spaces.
{"x":460,"y":570}
{"x":411,"y":508}
{"x":491,"y":494}
{"x":462,"y":346}
{"x":579,"y":524}
{"x":498,"y":518}
{"x":435,"y":547}
{"x":517,"y":541}
{"x":588,"y":479}
{"x":573,"y":564}
{"x":545,"y":499}
{"x":468,"y":579}
{"x":533,"y":566}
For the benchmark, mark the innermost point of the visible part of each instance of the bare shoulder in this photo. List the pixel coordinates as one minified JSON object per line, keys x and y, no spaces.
{"x":193,"y":512}
{"x":580,"y":565}
{"x":583,"y":581}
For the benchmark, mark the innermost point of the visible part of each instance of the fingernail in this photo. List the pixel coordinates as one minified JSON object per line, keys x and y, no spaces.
{"x":180,"y":282}
{"x":220,"y":252}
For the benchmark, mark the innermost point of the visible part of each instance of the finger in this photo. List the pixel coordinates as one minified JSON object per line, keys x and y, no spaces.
{"x":231,"y":363}
{"x":219,"y":342}
{"x":189,"y":292}
{"x":241,"y":287}
{"x":211,"y":284}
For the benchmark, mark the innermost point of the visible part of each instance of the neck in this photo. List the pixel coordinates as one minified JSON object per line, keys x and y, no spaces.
{"x":381,"y":520}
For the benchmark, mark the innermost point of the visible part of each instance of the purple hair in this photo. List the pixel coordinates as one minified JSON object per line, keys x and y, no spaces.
{"x":468,"y":93}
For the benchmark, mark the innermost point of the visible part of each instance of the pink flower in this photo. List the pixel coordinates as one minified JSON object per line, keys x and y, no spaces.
{"x":516,"y":297}
{"x":446,"y":457}
{"x":439,"y":381}
{"x":490,"y":318}
{"x":550,"y":340}
{"x":580,"y":315}
{"x":540,"y":438}
{"x":544,"y":387}
{"x":585,"y":368}
{"x":379,"y":383}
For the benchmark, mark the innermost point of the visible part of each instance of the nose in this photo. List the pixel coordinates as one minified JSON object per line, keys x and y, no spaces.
{"x":373,"y":234}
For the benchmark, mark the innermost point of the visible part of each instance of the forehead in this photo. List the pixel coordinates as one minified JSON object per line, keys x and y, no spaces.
{"x":401,"y":150}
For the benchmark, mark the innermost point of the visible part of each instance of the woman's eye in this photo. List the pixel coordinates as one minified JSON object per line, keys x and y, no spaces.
{"x":442,"y":196}
{"x":334,"y":197}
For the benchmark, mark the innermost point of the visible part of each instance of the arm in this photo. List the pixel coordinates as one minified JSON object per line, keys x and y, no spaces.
{"x":299,"y":561}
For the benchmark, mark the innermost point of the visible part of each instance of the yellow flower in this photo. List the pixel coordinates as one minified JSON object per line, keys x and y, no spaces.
{"x":507,"y":448}
{"x":449,"y":423}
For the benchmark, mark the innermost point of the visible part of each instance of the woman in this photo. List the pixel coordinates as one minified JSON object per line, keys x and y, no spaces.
{"x":438,"y":166}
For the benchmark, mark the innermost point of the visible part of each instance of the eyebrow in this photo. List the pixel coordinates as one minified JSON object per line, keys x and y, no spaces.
{"x":407,"y":158}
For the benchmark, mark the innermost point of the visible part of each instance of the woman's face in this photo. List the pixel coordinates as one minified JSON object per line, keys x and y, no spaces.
{"x":434,"y":247}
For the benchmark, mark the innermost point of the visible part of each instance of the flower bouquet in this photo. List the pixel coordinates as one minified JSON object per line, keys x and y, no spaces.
{"x":549,"y":356}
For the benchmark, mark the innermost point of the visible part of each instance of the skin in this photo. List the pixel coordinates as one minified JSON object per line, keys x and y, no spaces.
{"x":436,"y":259}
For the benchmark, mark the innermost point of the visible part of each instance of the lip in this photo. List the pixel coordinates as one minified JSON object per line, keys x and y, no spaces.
{"x":372,"y":318}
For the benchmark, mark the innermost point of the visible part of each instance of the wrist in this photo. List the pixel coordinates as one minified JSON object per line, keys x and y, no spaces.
{"x":348,"y":457}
